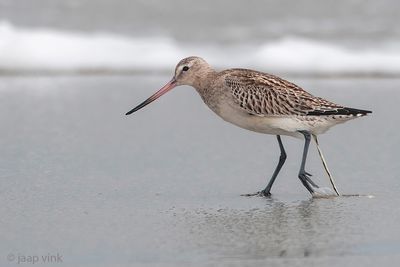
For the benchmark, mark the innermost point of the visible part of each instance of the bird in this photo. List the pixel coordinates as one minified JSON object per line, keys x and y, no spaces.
{"x":263,"y":103}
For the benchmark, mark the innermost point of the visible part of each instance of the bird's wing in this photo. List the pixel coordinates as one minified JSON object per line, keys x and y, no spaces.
{"x":263,"y":94}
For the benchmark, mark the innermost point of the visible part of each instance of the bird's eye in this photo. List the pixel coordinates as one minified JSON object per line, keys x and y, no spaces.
{"x":186,"y":68}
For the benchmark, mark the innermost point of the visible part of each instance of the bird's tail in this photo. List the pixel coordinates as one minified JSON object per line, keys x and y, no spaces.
{"x":355,"y":112}
{"x":340,"y":111}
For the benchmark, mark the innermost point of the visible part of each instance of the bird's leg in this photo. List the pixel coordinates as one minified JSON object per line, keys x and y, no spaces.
{"x":303,"y":175}
{"x":282,"y":158}
{"x":325,"y":165}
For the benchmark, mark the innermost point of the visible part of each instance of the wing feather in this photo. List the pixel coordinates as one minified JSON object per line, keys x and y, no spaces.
{"x":263,"y":94}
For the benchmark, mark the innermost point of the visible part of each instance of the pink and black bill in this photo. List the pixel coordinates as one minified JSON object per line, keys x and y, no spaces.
{"x":171,"y":84}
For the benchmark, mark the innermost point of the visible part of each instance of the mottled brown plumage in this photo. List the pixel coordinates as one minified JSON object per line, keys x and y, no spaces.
{"x":265,"y":94}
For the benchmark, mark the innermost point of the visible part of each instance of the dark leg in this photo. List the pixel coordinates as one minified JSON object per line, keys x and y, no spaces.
{"x":303,"y":175}
{"x":266,"y":192}
{"x":282,"y":158}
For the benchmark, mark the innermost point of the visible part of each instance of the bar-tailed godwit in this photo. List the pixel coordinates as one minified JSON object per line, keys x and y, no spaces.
{"x":263,"y":103}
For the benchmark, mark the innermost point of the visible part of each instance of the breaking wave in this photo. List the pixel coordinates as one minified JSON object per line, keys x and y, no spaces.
{"x":59,"y":51}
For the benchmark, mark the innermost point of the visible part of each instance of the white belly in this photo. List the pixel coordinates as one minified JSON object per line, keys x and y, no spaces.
{"x":277,"y":125}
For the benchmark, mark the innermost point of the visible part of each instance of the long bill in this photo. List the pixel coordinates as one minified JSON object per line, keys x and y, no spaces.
{"x":171,"y":84}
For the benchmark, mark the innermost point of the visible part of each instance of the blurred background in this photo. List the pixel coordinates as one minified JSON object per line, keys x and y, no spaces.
{"x":346,"y":37}
{"x":162,"y":187}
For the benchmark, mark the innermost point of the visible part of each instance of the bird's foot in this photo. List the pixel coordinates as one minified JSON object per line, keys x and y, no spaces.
{"x":323,"y":192}
{"x":261,"y":193}
{"x":306,"y":176}
{"x":316,"y":191}
{"x":307,"y":182}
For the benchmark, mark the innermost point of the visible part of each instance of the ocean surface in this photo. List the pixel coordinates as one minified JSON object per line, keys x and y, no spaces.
{"x":81,"y":184}
{"x":162,"y":187}
{"x":307,"y":37}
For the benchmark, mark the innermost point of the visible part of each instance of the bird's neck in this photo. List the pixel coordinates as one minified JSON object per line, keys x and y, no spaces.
{"x":204,"y":80}
{"x":205,"y":87}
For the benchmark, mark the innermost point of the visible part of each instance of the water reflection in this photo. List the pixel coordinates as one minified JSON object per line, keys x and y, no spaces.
{"x":276,"y":230}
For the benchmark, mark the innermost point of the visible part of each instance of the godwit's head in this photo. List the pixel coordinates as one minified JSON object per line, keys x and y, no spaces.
{"x":190,"y":71}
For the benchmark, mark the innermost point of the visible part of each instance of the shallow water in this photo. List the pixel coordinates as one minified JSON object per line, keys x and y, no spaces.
{"x":162,"y":187}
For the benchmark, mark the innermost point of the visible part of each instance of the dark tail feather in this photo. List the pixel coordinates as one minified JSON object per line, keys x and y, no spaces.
{"x":354,"y":111}
{"x":340,"y":111}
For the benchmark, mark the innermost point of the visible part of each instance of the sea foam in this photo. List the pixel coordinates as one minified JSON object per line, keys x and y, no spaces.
{"x":302,"y":55}
{"x":51,"y":50}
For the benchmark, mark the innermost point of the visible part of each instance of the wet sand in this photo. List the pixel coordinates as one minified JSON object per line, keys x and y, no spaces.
{"x":162,"y":187}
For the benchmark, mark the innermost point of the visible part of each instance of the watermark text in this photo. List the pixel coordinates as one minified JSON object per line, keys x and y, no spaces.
{"x":19,"y":258}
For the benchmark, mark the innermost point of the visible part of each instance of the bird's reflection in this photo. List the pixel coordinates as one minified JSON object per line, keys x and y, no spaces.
{"x":277,"y":229}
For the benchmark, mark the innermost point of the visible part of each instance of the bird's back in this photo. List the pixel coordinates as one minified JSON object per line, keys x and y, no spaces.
{"x":262,"y":95}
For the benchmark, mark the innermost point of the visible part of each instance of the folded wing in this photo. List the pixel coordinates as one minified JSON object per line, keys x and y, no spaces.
{"x":262,"y":94}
